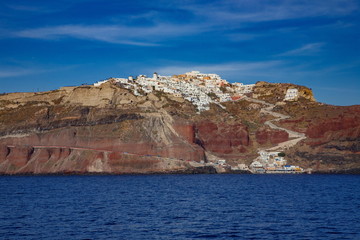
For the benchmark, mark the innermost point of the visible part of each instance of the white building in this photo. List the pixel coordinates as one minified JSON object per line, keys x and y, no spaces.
{"x":248,"y":88}
{"x":292,"y":94}
{"x":256,"y":164}
{"x":97,"y":84}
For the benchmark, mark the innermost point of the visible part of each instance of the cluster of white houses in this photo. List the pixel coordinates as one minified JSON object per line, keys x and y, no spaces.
{"x":273,"y":162}
{"x":199,"y":88}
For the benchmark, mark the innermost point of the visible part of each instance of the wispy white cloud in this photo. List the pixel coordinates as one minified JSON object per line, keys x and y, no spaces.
{"x":18,"y":71}
{"x":226,"y":15}
{"x":26,"y":8}
{"x":239,"y":37}
{"x":235,"y":11}
{"x":41,"y":7}
{"x":308,"y":49}
{"x":141,"y":36}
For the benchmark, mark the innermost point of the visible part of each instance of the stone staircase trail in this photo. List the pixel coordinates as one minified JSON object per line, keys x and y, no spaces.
{"x":295,"y":137}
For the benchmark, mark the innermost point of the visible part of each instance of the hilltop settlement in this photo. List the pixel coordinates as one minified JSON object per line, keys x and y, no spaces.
{"x":201,"y":90}
{"x":188,"y":123}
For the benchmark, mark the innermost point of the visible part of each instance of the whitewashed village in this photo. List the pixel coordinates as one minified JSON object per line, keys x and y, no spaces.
{"x":201,"y":90}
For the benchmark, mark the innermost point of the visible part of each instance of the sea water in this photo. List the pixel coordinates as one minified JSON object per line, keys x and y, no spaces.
{"x":180,"y":207}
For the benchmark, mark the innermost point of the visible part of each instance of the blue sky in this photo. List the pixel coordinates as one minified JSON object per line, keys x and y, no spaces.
{"x":48,"y":44}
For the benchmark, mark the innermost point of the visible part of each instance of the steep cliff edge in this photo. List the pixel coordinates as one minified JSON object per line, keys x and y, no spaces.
{"x":108,"y":129}
{"x":101,"y":129}
{"x":333,"y":136}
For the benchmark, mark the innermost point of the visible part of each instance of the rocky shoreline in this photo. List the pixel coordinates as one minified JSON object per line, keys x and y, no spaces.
{"x":195,"y":171}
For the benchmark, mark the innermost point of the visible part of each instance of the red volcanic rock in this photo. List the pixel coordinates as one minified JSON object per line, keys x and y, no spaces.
{"x":278,"y":137}
{"x":207,"y":128}
{"x":126,"y":163}
{"x":65,"y":137}
{"x":64,"y":151}
{"x":55,"y":154}
{"x":195,"y":153}
{"x":223,"y":138}
{"x":187,"y":131}
{"x":20,"y":155}
{"x":219,"y":145}
{"x":318,"y":129}
{"x":38,"y":161}
{"x":264,"y":135}
{"x":4,"y":152}
{"x":42,"y":155}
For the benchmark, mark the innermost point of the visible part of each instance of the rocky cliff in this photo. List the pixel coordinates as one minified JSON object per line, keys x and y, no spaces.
{"x":108,"y":129}
{"x":275,"y":92}
{"x":333,"y":136}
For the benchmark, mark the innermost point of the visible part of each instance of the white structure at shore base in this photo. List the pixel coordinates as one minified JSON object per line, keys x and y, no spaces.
{"x":273,"y":162}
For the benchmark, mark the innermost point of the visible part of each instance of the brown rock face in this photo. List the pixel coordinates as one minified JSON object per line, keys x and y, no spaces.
{"x":223,"y":138}
{"x":265,"y":136}
{"x":319,"y":129}
{"x":150,"y":145}
{"x":19,"y":155}
{"x":4,"y":151}
{"x":275,"y":92}
{"x":108,"y":129}
{"x":187,"y":131}
{"x":333,"y":137}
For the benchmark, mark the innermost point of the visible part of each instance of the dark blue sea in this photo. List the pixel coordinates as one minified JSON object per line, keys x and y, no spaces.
{"x":180,"y":207}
